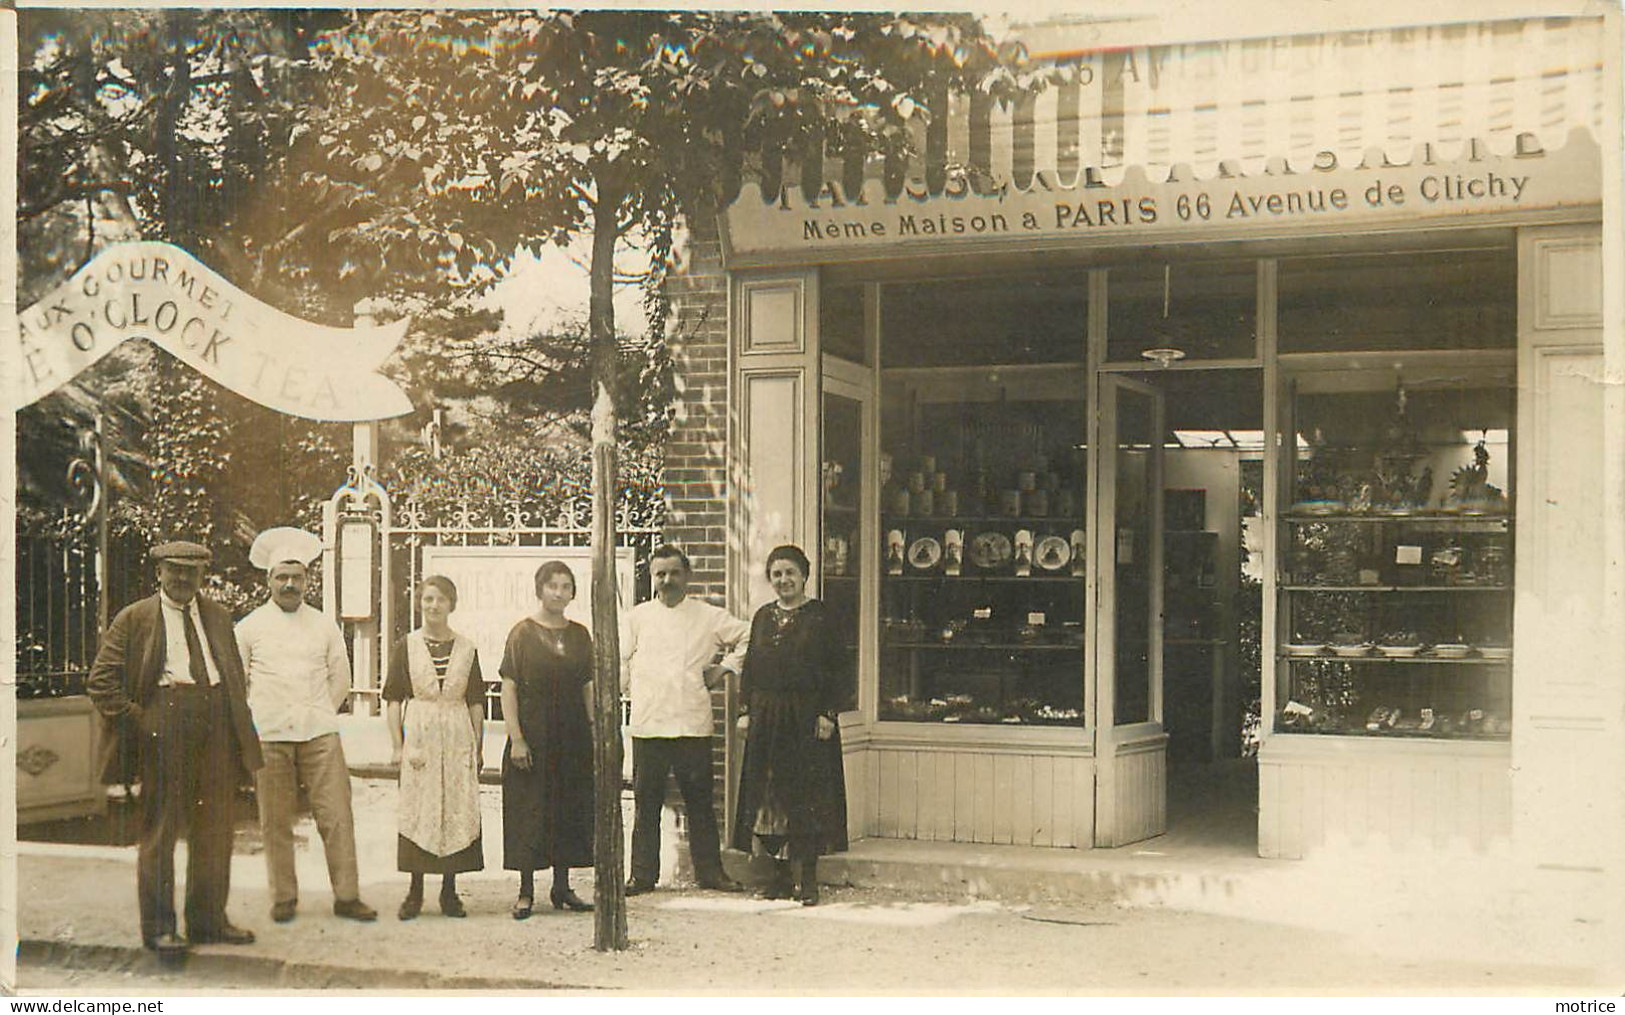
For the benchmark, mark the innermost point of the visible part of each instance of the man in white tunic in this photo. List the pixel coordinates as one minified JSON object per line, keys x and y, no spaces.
{"x":676,"y":651}
{"x":298,"y":677}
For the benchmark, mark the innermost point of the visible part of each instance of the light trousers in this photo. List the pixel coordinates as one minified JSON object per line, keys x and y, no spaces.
{"x":319,"y":766}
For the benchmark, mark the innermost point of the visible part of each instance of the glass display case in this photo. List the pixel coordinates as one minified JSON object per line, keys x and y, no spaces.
{"x":842,"y":560}
{"x":1395,"y":554}
{"x":982,"y":548}
{"x":982,"y":585}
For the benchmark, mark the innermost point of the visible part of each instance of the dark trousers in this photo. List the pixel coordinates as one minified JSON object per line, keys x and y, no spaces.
{"x":689,"y":759}
{"x":188,"y":784}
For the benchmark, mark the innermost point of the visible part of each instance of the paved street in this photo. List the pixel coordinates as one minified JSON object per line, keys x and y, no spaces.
{"x":78,"y":923}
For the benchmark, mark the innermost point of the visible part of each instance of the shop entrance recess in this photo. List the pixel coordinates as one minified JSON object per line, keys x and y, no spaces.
{"x":1131,"y":746}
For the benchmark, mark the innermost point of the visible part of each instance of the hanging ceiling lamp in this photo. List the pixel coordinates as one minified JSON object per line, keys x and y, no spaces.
{"x":1165,"y":353}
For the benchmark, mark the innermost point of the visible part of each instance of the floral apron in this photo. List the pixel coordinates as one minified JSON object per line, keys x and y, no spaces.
{"x":440,"y":786}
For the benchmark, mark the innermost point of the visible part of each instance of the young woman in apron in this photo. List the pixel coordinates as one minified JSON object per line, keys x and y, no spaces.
{"x":436,"y":715}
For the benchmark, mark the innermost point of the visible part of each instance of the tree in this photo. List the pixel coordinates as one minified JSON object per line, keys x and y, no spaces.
{"x":457,"y":138}
{"x":170,"y":125}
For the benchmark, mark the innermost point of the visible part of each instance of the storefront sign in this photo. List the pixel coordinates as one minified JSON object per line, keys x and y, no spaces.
{"x":162,"y":293}
{"x":1326,"y":197}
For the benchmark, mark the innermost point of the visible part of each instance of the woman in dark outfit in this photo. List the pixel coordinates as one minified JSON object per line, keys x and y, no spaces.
{"x":436,"y":714}
{"x":792,"y":792}
{"x":547,"y":778}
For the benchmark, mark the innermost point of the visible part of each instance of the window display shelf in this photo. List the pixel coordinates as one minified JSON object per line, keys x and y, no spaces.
{"x":1020,"y":521}
{"x":1384,"y":660}
{"x":977,"y":578}
{"x":1360,"y":733}
{"x":1478,"y":522}
{"x":1395,"y":588}
{"x":990,"y":646}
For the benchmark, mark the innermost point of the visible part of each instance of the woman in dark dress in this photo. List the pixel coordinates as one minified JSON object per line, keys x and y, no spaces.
{"x":547,"y":779}
{"x":436,"y":713}
{"x":792,"y":791}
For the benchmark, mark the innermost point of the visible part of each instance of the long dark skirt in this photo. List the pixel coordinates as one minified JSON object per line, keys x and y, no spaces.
{"x":410,"y":858}
{"x":792,"y":784}
{"x":547,"y":810}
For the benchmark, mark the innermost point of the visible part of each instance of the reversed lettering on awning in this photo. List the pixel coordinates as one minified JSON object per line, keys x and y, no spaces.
{"x":1130,"y":131}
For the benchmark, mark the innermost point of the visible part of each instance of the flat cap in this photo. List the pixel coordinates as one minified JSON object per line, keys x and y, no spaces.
{"x":181,"y":551}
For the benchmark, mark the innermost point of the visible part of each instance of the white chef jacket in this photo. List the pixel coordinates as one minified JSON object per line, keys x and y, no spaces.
{"x":298,"y":672}
{"x":664,"y":651}
{"x":177,"y":660}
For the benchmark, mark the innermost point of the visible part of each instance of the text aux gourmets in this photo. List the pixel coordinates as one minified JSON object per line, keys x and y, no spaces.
{"x":122,"y":309}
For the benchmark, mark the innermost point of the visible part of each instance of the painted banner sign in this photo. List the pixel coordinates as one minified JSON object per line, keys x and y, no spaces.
{"x":1327,"y":197}
{"x":162,"y":293}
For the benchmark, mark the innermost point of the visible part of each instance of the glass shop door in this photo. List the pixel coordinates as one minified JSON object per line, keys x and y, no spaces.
{"x":1130,"y":743}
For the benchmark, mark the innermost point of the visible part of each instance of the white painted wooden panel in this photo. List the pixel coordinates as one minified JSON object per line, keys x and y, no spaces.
{"x":1562,"y":694}
{"x":997,"y":796}
{"x":773,"y":317}
{"x":768,"y":488}
{"x":858,"y":798}
{"x":1568,"y":272}
{"x":1355,"y":794}
{"x":908,"y":794}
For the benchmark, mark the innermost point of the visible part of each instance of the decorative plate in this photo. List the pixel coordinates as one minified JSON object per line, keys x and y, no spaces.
{"x":1399,"y":651}
{"x":1052,"y":553}
{"x":1495,"y":651}
{"x":990,"y":549}
{"x":1350,"y":651}
{"x":1305,"y":650}
{"x":1452,"y":650}
{"x":924,"y":553}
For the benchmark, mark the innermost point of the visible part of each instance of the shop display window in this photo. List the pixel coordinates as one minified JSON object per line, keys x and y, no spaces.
{"x":982,"y":511}
{"x":1455,"y":299}
{"x":1396,"y":558}
{"x":843,"y":562}
{"x":840,"y":323}
{"x":984,"y":321}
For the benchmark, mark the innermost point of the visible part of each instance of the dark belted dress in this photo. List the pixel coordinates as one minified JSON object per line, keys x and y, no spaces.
{"x":792,"y":785}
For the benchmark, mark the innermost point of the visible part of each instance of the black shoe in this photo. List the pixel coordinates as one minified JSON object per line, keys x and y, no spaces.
{"x":167,"y":944}
{"x":411,"y":906}
{"x":225,"y":934}
{"x":636,"y":887}
{"x":354,"y":909}
{"x":521,"y":907}
{"x":721,"y":883}
{"x":808,"y":896}
{"x":779,"y":885}
{"x":568,"y":899}
{"x":282,"y":912}
{"x":451,"y":905}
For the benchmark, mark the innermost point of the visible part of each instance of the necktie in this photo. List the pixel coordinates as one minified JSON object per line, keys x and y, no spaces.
{"x":194,"y":651}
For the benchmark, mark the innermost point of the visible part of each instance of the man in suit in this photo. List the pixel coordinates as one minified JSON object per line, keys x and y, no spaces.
{"x":169,"y":681}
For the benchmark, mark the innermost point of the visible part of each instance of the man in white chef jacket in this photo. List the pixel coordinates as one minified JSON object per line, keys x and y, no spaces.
{"x":675,"y":650}
{"x":298,"y":676}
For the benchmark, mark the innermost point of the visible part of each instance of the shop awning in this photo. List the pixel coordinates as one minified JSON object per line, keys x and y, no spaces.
{"x":1235,"y":106}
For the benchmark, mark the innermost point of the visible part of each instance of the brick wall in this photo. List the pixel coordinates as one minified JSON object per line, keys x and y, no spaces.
{"x":695,"y":471}
{"x":696,"y":451}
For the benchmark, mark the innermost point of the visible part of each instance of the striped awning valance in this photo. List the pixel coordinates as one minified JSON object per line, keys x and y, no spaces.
{"x":1305,"y":99}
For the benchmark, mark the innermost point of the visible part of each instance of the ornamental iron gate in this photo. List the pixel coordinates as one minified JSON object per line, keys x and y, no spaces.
{"x":403,"y":540}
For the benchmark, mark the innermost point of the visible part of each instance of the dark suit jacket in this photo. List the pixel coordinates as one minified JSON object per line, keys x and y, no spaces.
{"x":125,"y":674}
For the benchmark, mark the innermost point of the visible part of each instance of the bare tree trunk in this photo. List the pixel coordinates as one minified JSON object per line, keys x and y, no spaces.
{"x":609,"y":917}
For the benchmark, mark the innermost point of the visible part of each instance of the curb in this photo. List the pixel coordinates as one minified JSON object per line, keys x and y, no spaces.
{"x":249,"y":971}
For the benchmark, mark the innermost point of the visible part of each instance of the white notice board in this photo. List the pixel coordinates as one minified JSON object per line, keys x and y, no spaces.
{"x":496,"y":588}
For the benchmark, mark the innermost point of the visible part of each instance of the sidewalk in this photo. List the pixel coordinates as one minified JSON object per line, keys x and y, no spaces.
{"x":1170,"y":924}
